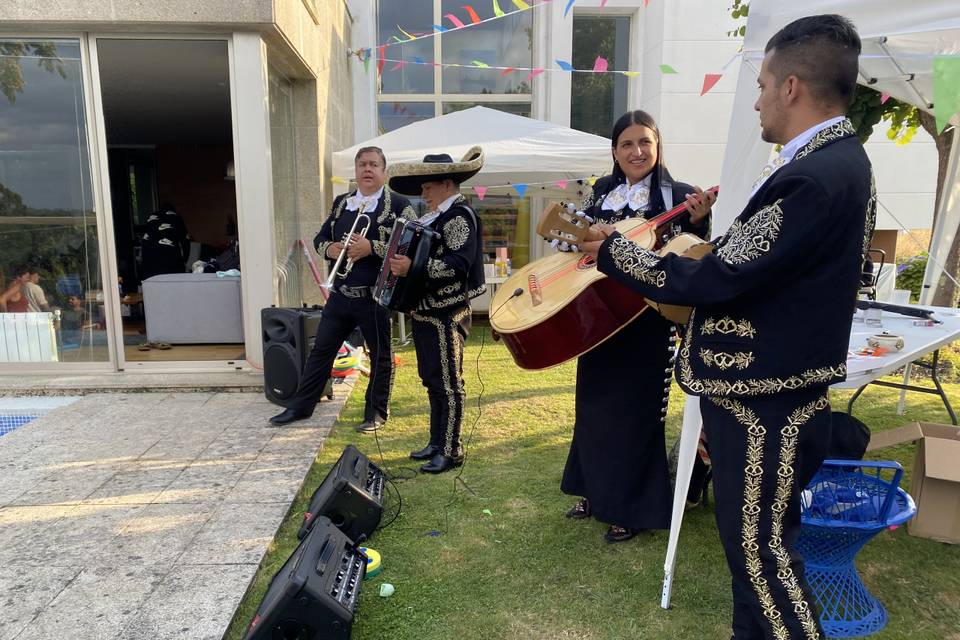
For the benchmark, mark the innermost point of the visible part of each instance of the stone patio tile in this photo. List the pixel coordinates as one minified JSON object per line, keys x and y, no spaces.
{"x":96,"y":605}
{"x":296,"y":441}
{"x":73,"y":539}
{"x":67,"y":484}
{"x":236,"y":534}
{"x":237,"y":444}
{"x":271,"y":478}
{"x":27,"y":591}
{"x":155,"y":536}
{"x":23,"y":528}
{"x":192,"y":603}
{"x":204,"y":481}
{"x":138,"y":483}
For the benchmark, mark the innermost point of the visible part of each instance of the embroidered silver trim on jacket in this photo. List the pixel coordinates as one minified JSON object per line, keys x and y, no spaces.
{"x":727,"y":325}
{"x":636,"y":262}
{"x":746,"y":241}
{"x":456,"y":232}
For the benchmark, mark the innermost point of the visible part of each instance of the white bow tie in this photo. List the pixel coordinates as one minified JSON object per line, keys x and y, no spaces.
{"x":637,"y":196}
{"x":358,"y":201}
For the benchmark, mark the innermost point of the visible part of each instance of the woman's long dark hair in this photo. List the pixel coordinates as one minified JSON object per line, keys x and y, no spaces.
{"x":644,"y":119}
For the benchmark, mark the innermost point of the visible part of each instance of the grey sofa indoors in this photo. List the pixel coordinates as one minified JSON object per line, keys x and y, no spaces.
{"x":193,"y":308}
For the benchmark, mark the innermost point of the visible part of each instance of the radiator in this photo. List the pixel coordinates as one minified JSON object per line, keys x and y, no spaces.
{"x":27,"y":337}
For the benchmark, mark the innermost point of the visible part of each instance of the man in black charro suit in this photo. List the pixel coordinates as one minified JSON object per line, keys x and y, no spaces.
{"x":351,"y":302}
{"x":441,"y":322}
{"x":773,"y":306}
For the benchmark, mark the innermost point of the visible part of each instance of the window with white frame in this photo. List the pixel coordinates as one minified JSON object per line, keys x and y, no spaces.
{"x":413,"y":88}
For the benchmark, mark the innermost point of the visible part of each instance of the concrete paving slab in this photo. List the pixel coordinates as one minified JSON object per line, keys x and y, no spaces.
{"x":145,"y":515}
{"x":27,"y":591}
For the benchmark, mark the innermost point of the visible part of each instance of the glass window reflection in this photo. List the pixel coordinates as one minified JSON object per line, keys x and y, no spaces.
{"x":506,"y":42}
{"x":393,"y":115}
{"x":598,"y":99}
{"x":413,"y":16}
{"x":47,"y":218}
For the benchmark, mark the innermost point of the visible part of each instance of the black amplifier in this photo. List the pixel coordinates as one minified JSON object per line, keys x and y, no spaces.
{"x":315,"y":593}
{"x":351,"y":496}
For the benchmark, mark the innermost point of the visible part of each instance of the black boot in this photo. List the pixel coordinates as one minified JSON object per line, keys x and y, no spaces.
{"x":288,"y":416}
{"x":426,"y":453}
{"x":440,"y":463}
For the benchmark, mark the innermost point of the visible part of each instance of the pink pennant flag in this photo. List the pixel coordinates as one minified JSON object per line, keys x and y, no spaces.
{"x":399,"y":65}
{"x":601,"y":63}
{"x":646,"y":2}
{"x":561,"y":184}
{"x":603,"y":3}
{"x":455,"y":20}
{"x":709,"y":80}
{"x":480,"y":191}
{"x":884,"y":97}
{"x":533,"y":74}
{"x":507,"y":71}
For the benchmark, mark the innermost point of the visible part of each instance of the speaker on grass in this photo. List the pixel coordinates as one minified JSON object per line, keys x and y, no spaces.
{"x":351,"y":496}
{"x":314,"y":594}
{"x":288,"y":337}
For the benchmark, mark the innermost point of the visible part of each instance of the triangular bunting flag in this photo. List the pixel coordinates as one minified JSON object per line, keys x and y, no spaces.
{"x":562,"y":184}
{"x":521,"y":5}
{"x":410,"y":37}
{"x":497,"y":11}
{"x":600,"y":64}
{"x":533,"y":74}
{"x":946,"y":89}
{"x":592,"y":180}
{"x":480,"y":191}
{"x":398,"y":65}
{"x":630,"y":74}
{"x":665,"y":68}
{"x":474,"y":18}
{"x":482,"y":65}
{"x":507,"y":71}
{"x":380,"y":58}
{"x":567,"y":9}
{"x":563,"y":64}
{"x":454,"y":20}
{"x":439,"y":28}
{"x":603,"y":3}
{"x":709,"y":80}
{"x":521,"y":188}
{"x":884,"y":97}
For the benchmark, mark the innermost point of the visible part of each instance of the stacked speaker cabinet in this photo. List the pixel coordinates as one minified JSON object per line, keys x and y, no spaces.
{"x":314,"y":595}
{"x":351,"y":496}
{"x":288,"y":337}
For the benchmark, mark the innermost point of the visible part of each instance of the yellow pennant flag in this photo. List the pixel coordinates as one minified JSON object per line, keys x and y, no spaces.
{"x":409,"y":37}
{"x":592,"y":180}
{"x":631,"y":74}
{"x":497,"y":11}
{"x":521,"y":4}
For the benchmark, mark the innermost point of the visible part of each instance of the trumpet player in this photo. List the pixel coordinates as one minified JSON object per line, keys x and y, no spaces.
{"x":354,"y":241}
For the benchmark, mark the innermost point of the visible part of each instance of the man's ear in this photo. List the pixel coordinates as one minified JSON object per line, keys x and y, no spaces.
{"x":790,"y":89}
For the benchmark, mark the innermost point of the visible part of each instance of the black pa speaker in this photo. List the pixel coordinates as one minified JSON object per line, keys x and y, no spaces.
{"x":351,"y":496}
{"x":288,"y":337}
{"x":314,"y":594}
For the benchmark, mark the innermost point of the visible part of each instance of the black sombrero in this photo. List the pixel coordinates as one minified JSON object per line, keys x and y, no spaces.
{"x":408,"y":177}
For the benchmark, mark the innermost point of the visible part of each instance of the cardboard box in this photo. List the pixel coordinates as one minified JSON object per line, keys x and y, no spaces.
{"x":935,"y":484}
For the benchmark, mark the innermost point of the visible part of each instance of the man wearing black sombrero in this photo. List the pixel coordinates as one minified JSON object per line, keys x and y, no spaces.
{"x":441,"y":322}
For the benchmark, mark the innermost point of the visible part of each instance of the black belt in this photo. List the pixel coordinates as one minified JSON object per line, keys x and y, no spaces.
{"x":354,"y":292}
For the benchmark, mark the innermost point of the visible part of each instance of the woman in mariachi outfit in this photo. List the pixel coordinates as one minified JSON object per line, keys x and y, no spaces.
{"x":617,"y":463}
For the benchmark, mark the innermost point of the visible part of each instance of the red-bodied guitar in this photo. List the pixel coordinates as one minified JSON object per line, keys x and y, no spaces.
{"x":568,"y":307}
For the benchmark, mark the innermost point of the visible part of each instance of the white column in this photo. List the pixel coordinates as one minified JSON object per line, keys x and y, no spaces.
{"x":363,"y":33}
{"x":254,"y":184}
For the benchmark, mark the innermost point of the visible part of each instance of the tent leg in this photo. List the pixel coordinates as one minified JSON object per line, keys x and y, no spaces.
{"x":689,"y":436}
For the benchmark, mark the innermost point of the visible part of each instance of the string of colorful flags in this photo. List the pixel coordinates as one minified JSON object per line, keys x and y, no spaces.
{"x":520,"y":187}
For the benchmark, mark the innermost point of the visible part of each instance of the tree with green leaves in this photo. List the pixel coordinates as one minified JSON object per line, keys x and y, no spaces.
{"x":868,"y":109}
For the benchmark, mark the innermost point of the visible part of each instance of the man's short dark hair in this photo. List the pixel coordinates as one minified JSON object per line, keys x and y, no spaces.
{"x":22,"y":270}
{"x":376,"y":150}
{"x":823,"y":51}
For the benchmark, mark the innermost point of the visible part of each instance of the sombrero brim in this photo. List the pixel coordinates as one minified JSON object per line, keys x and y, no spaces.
{"x":407,"y":178}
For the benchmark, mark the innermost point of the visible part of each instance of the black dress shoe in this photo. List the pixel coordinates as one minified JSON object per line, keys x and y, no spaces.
{"x":288,"y":416}
{"x":426,"y":453}
{"x":440,"y":463}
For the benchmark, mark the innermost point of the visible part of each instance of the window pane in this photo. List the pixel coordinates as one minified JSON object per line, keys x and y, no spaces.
{"x":409,"y":15}
{"x":394,"y":115}
{"x":46,"y":202}
{"x":507,"y":42}
{"x":518,"y":108}
{"x":598,"y":99}
{"x":291,"y":267}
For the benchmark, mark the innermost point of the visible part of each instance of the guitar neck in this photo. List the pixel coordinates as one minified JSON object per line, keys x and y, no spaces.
{"x":669,"y":216}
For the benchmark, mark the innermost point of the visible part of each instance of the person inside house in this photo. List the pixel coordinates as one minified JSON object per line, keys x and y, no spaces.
{"x":73,"y":319}
{"x":165,"y":244}
{"x":617,"y":462}
{"x":773,"y":305}
{"x":454,"y":275}
{"x":351,"y":302}
{"x":36,"y":298}
{"x":14,"y":299}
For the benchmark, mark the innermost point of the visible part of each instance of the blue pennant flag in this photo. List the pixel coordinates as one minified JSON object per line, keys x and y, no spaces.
{"x":566,"y":66}
{"x":521,"y":188}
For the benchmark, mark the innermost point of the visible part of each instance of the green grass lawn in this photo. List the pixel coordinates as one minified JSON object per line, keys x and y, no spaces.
{"x":525,"y":571}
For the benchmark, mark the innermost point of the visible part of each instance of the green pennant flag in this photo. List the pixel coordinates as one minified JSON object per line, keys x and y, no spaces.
{"x":946,"y":89}
{"x":665,"y":68}
{"x":366,"y":61}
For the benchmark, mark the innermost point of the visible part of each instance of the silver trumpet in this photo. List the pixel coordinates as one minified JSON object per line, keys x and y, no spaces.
{"x":335,"y":271}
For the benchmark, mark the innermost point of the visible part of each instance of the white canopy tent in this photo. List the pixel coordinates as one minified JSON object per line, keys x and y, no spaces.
{"x":900,"y":42}
{"x":516,"y":149}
